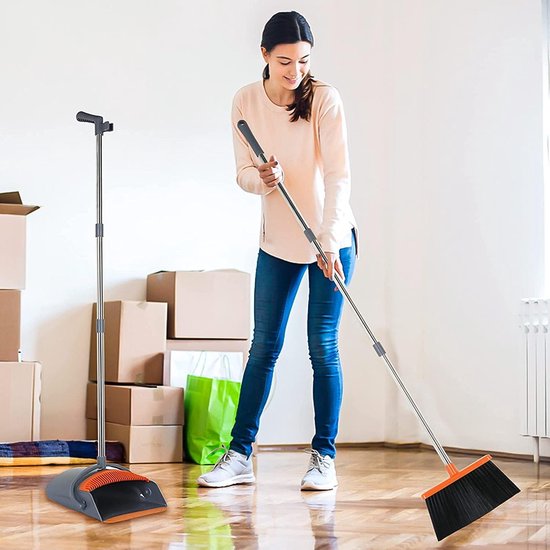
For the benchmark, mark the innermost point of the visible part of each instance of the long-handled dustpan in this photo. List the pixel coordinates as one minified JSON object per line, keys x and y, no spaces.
{"x":107,"y":492}
{"x":467,"y":494}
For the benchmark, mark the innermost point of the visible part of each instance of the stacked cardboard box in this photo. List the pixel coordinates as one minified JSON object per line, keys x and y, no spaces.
{"x":208,"y":318}
{"x":145,"y":416}
{"x":19,"y":382}
{"x":147,"y":420}
{"x":202,"y":313}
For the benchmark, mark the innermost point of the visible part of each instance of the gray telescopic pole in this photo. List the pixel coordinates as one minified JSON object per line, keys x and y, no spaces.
{"x":100,"y":128}
{"x":249,"y":136}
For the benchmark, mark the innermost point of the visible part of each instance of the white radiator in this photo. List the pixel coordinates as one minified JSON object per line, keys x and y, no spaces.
{"x":535,"y":400}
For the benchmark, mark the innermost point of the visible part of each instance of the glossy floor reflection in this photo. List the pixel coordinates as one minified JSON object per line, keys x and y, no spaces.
{"x":377,"y":505}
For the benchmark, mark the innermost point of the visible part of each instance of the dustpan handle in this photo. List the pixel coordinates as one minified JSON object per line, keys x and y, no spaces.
{"x":249,"y":136}
{"x":100,"y":319}
{"x":100,"y":127}
{"x":96,"y":120}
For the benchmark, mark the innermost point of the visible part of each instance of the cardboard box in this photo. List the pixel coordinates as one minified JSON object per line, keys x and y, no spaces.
{"x":135,"y":339}
{"x":20,"y":387}
{"x":204,"y":304}
{"x":138,"y":405}
{"x":185,"y":357}
{"x":144,"y":444}
{"x":10,"y":324}
{"x":13,"y":237}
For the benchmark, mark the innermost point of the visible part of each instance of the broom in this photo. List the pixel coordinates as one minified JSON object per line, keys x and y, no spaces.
{"x":467,"y":494}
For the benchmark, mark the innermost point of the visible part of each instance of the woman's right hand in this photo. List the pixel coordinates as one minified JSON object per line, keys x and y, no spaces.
{"x":271,"y":172}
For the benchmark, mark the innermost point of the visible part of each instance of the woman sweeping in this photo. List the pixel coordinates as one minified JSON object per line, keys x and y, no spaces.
{"x":300,"y":121}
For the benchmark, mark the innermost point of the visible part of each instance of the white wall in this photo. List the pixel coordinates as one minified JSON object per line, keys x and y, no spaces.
{"x":443,"y":101}
{"x":465,"y":235}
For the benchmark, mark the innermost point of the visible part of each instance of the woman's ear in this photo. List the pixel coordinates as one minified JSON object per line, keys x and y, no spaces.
{"x":265,"y":54}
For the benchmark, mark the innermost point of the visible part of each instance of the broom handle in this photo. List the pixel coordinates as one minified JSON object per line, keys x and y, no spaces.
{"x":247,"y":133}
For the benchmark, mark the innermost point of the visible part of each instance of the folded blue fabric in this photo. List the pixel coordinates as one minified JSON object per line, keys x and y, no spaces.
{"x":58,"y":448}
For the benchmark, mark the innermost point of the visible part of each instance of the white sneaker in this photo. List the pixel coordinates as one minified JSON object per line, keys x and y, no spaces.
{"x":231,"y":469}
{"x":321,"y":473}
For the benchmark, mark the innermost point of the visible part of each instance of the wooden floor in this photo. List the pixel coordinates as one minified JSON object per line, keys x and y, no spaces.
{"x":377,"y":505}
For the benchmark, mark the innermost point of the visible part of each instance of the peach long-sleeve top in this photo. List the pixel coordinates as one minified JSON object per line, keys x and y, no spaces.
{"x":315,"y":162}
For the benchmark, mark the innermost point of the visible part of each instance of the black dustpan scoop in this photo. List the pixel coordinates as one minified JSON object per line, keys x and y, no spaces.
{"x":109,"y":493}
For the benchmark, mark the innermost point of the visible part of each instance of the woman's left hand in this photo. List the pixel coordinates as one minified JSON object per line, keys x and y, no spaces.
{"x":334,"y":264}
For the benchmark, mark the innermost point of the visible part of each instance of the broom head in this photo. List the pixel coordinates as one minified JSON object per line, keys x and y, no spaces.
{"x":467,"y":495}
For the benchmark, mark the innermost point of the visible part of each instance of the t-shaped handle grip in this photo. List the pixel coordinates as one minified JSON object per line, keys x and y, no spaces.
{"x":97,"y":120}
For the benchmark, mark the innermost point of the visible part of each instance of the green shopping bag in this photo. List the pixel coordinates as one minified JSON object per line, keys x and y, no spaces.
{"x":210,"y":410}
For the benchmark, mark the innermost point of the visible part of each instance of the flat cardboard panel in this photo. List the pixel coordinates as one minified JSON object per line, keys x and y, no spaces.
{"x":138,"y":405}
{"x":20,"y":388}
{"x":11,"y":203}
{"x":10,"y":324}
{"x":10,"y":197}
{"x":17,"y":209}
{"x":134,"y":342}
{"x":204,"y":304}
{"x":144,"y":444}
{"x":13,"y":231}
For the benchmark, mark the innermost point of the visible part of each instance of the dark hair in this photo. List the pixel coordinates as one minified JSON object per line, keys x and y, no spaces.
{"x":289,"y":27}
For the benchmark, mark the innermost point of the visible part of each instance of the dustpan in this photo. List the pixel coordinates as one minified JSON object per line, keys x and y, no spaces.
{"x":106,"y":492}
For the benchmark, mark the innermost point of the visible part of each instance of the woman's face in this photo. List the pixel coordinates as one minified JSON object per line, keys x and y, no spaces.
{"x":288,"y":63}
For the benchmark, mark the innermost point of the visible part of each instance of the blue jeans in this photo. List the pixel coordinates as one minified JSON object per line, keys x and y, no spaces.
{"x":276,"y":285}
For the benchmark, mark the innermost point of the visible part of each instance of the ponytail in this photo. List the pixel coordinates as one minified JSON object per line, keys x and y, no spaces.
{"x":303,"y":99}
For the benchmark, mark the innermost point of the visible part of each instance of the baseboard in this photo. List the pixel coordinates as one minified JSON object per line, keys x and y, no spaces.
{"x":404,"y":447}
{"x":292,"y":447}
{"x":481,"y":452}
{"x":284,"y":448}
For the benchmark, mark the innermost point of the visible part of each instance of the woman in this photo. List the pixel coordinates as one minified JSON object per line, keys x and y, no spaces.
{"x":301,"y":122}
